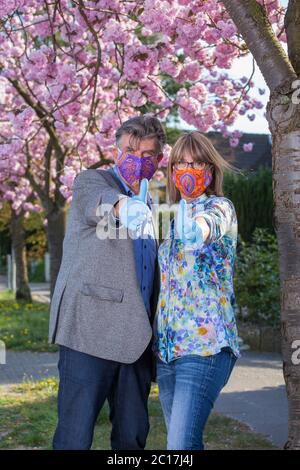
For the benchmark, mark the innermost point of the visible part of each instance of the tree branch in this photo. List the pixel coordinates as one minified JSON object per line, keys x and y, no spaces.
{"x":47,"y":155}
{"x":40,"y":112}
{"x":253,"y":24}
{"x":292,"y":27}
{"x":44,"y":197}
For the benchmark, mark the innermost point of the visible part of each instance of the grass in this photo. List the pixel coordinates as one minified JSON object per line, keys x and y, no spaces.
{"x":23,"y":325}
{"x":28,"y":419}
{"x":28,"y":411}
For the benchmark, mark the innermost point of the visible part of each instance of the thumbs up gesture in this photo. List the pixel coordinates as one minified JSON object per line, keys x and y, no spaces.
{"x":142,"y":195}
{"x":187,"y":228}
{"x":134,"y":211}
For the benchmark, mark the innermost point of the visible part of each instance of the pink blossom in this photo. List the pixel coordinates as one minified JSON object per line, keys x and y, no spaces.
{"x":136,"y":97}
{"x":228,"y":28}
{"x":234,"y":142}
{"x":159,"y":175}
{"x":248,"y":147}
{"x":65,"y":74}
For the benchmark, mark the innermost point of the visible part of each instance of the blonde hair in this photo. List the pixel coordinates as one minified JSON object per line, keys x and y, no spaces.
{"x":201,"y":150}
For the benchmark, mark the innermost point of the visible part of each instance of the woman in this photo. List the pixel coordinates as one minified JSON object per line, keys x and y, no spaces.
{"x":195,"y":334}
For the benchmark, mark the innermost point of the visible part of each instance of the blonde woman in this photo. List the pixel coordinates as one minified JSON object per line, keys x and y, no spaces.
{"x":195,"y":334}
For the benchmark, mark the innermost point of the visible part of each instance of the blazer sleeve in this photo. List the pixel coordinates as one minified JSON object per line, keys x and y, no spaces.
{"x":92,"y":191}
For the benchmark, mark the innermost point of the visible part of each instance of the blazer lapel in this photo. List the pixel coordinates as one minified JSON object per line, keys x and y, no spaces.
{"x":113,"y":179}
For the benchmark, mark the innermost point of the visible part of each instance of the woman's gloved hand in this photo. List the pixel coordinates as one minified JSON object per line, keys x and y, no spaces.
{"x":187,"y":228}
{"x":134,"y":210}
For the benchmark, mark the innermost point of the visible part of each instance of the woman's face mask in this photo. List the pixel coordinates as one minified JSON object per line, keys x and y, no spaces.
{"x":191,"y":182}
{"x":133,"y":168}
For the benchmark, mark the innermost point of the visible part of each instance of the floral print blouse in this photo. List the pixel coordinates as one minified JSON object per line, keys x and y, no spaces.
{"x":196,"y":305}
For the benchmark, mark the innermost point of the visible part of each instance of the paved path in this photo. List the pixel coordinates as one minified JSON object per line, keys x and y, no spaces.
{"x":3,"y":282}
{"x":40,"y":291}
{"x":27,"y":365}
{"x":255,"y":393}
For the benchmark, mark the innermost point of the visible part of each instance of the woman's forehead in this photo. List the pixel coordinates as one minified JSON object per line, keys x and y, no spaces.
{"x":189,"y":156}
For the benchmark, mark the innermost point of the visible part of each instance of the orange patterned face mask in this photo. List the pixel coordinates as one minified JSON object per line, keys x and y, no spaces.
{"x":192,"y":182}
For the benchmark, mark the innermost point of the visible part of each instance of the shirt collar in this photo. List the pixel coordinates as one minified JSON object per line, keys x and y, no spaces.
{"x":127,"y":189}
{"x":198,"y":199}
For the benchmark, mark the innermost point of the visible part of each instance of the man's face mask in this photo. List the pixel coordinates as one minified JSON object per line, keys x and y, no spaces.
{"x":133,"y":168}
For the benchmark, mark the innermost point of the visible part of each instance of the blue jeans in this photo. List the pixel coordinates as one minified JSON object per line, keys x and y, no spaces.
{"x":85,"y":383}
{"x":188,"y":389}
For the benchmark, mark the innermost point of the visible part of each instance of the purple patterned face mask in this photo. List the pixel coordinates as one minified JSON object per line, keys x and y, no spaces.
{"x":133,"y":169}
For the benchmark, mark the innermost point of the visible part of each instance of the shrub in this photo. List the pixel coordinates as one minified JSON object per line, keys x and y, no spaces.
{"x":252,"y":196}
{"x":256,"y":279}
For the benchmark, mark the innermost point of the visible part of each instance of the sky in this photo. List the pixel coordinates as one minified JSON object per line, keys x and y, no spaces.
{"x":240,"y":68}
{"x":244,"y":67}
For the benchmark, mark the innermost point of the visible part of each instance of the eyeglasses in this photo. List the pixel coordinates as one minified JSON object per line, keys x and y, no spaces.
{"x":195,"y":165}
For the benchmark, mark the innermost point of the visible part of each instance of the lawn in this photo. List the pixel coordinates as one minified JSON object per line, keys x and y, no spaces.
{"x":24,"y":326}
{"x":28,"y":419}
{"x":28,"y":411}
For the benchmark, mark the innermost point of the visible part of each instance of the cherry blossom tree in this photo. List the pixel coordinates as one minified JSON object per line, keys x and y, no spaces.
{"x":73,"y":71}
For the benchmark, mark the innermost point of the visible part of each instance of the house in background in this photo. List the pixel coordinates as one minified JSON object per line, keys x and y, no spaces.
{"x":261,"y":154}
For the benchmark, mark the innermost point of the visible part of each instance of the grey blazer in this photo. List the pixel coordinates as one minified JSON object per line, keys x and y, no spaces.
{"x":97,"y":306}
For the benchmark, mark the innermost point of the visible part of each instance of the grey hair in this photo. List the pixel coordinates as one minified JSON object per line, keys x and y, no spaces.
{"x":141,"y":127}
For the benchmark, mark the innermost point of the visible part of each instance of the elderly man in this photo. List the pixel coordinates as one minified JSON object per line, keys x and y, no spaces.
{"x":105,"y":297}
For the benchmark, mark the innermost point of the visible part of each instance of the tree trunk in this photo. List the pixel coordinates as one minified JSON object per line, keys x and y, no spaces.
{"x":284,"y":120}
{"x":280,"y":72}
{"x":55,"y":235}
{"x":19,"y":248}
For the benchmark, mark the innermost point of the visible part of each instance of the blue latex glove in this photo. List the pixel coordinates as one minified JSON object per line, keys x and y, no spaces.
{"x":187,"y":228}
{"x":134,"y":210}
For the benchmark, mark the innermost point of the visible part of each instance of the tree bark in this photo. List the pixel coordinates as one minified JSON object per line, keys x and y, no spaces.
{"x":53,"y":204}
{"x":19,"y":248}
{"x":284,"y":121}
{"x":55,"y":235}
{"x":283,"y":114}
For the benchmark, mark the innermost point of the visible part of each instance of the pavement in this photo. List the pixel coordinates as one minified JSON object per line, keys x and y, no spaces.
{"x":40,"y":291}
{"x":255,"y":393}
{"x":3,"y":282}
{"x":26,"y":365}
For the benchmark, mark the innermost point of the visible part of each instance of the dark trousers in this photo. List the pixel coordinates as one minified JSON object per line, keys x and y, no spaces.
{"x":85,"y":382}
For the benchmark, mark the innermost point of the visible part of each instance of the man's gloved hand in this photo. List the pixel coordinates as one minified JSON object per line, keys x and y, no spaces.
{"x":134,"y":210}
{"x":187,"y":228}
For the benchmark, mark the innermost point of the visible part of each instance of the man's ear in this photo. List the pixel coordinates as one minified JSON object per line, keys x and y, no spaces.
{"x":115,"y":153}
{"x":160,"y":157}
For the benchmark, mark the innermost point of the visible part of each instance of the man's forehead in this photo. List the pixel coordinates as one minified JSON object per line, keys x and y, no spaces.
{"x":136,"y":143}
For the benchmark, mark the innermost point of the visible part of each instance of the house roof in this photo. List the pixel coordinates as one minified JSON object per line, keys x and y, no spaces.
{"x":261,"y":154}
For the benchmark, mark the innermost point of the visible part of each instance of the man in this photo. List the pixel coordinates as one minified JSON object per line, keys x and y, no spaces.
{"x":105,"y":297}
